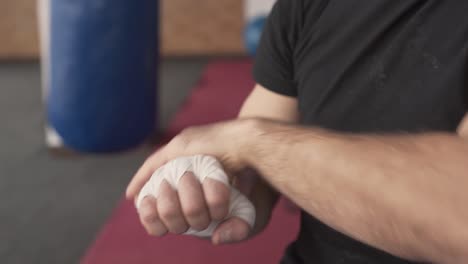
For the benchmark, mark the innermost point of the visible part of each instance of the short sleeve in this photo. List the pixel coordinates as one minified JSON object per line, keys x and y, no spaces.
{"x":274,"y":67}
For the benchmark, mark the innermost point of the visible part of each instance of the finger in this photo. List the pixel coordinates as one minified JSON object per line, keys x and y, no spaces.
{"x":217,"y":198}
{"x":169,"y":209}
{"x":144,"y":173}
{"x":232,"y":230}
{"x":193,"y":202}
{"x":149,"y":217}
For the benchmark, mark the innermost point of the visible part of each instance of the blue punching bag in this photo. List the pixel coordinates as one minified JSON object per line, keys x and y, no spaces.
{"x":103,"y":72}
{"x":253,"y":32}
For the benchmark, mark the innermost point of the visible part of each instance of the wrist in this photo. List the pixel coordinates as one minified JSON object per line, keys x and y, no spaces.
{"x":251,"y":136}
{"x":261,"y":137}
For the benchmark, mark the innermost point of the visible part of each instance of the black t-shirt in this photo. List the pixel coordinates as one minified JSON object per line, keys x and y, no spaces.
{"x":365,"y":66}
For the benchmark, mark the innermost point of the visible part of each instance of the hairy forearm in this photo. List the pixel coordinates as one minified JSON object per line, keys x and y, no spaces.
{"x":405,"y":194}
{"x":262,"y":103}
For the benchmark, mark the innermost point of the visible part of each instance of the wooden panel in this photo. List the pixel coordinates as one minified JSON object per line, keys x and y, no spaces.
{"x":202,"y":27}
{"x":18,"y":29}
{"x":188,"y":27}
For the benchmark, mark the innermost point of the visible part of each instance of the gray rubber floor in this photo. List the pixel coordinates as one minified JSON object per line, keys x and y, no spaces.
{"x":51,"y":207}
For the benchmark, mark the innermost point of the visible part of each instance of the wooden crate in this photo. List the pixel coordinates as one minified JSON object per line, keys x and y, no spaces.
{"x":188,"y":27}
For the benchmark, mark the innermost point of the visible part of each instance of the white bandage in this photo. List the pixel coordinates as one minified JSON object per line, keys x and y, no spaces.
{"x":202,"y":167}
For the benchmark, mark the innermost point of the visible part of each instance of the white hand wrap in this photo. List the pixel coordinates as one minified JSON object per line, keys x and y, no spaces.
{"x":202,"y":167}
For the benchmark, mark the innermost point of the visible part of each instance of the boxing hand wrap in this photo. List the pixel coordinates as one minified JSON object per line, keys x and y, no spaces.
{"x":202,"y":167}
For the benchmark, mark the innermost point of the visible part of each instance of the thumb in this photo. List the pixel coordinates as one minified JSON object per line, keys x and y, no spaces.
{"x":231,"y":230}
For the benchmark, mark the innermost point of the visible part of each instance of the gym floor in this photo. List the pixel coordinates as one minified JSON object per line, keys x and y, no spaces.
{"x":52,"y":206}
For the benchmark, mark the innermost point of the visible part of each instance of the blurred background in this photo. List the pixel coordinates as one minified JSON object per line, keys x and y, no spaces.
{"x":88,"y":90}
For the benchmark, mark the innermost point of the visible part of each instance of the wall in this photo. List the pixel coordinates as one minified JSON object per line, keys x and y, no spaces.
{"x":202,"y":27}
{"x":18,"y":29}
{"x":188,"y":27}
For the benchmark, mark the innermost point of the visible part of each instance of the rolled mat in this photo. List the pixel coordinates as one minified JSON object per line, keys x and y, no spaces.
{"x":217,"y":96}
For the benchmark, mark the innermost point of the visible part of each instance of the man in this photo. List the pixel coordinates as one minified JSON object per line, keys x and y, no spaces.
{"x":376,"y":164}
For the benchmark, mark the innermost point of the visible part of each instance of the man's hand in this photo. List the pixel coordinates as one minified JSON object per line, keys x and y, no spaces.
{"x":226,"y":142}
{"x":195,"y":205}
{"x":222,"y":140}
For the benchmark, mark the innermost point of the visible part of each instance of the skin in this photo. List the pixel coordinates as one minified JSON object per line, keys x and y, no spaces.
{"x":196,"y":205}
{"x":403,"y":193}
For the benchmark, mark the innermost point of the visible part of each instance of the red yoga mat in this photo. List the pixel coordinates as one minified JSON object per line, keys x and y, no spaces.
{"x":217,"y":96}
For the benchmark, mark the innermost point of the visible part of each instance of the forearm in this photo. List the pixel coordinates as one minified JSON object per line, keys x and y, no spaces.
{"x":262,"y":103}
{"x":402,"y":193}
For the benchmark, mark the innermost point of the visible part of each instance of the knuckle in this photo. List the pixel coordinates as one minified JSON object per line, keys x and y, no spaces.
{"x":156,"y":232}
{"x":179,"y":229}
{"x":202,"y":224}
{"x":150,"y":231}
{"x":195,"y":212}
{"x":168,"y":214}
{"x":217,"y":202}
{"x":180,"y":142}
{"x":149,"y":217}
